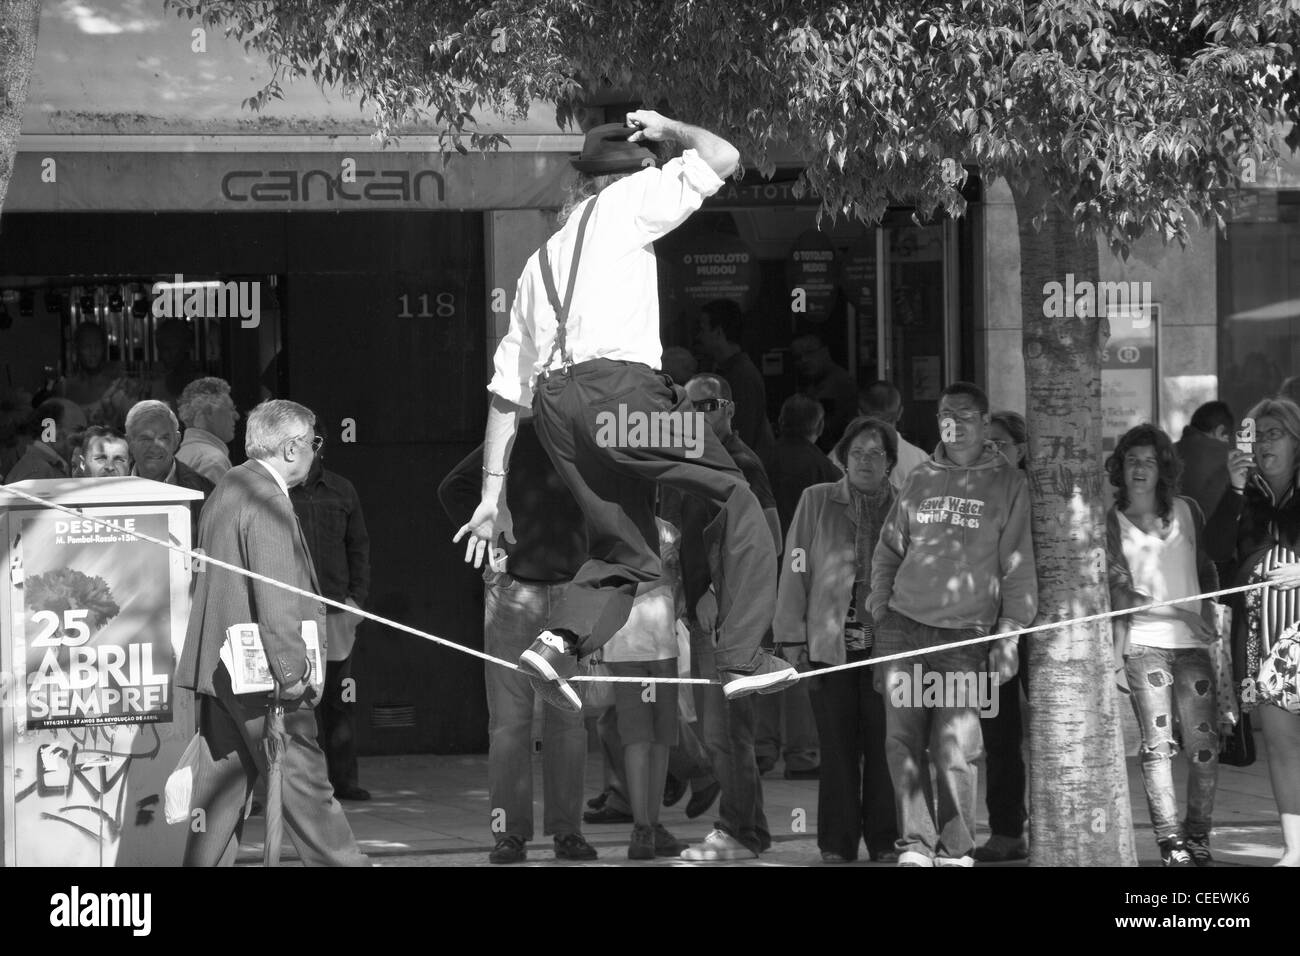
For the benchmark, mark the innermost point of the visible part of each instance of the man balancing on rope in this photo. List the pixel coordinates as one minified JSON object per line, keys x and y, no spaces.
{"x":615,"y":426}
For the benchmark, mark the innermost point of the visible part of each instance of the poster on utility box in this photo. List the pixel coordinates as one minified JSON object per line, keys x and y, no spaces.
{"x":97,"y":606}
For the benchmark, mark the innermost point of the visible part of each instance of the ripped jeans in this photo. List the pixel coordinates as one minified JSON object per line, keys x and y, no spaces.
{"x":1165,"y":682}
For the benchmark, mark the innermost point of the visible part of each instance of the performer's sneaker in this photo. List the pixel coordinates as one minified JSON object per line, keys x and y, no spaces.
{"x":770,"y":676}
{"x":548,"y":664}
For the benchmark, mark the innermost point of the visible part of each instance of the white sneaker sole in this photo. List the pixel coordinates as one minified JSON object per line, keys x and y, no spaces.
{"x":558,"y":693}
{"x":755,"y":683}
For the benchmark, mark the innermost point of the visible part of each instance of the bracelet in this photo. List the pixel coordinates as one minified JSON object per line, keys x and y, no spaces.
{"x":496,"y":474}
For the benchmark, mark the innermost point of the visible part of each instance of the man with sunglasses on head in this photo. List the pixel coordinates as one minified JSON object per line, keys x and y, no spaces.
{"x":955,"y":561}
{"x":583,"y":348}
{"x":250,"y":523}
{"x":726,"y":726}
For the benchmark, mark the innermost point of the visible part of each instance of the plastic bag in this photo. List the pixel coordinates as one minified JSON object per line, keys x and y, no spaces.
{"x":180,"y":785}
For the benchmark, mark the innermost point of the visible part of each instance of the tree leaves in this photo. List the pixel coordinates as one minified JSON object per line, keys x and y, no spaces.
{"x":1132,"y":111}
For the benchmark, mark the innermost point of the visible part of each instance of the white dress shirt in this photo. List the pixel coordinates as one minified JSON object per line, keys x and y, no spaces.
{"x":615,"y":308}
{"x":279,"y":480}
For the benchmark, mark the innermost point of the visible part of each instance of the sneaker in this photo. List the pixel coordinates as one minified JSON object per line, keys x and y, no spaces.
{"x":966,"y":860}
{"x":571,"y":846}
{"x":1198,"y":848}
{"x":509,"y":849}
{"x":771,"y":675}
{"x":1174,"y":853}
{"x":642,"y":844}
{"x":548,"y":664}
{"x":674,"y":790}
{"x":719,"y":846}
{"x":830,"y":856}
{"x":701,"y":800}
{"x":1000,"y":849}
{"x":598,"y":800}
{"x":913,"y":858}
{"x":666,"y":844}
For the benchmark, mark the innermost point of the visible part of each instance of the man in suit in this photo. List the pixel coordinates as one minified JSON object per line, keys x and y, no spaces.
{"x":250,"y":522}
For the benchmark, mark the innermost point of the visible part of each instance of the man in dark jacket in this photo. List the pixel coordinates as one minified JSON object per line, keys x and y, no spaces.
{"x":153,"y":435}
{"x":250,"y":523}
{"x":1204,"y":452}
{"x":726,"y":725}
{"x":329,"y":511}
{"x":523,"y":579}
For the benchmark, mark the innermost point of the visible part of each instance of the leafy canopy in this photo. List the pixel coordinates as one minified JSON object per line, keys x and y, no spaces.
{"x":1132,"y":115}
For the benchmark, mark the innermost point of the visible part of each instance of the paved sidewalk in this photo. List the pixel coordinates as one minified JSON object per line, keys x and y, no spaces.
{"x":433,"y":811}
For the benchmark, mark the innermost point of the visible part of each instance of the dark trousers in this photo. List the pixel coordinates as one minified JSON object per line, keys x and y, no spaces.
{"x":855,"y":798}
{"x":232,"y":727}
{"x":1004,"y":761}
{"x":337,"y":736}
{"x":613,"y":473}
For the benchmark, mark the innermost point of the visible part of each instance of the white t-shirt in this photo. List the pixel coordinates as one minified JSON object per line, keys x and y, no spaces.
{"x":1164,"y":568}
{"x":615,"y":309}
{"x":909,"y":456}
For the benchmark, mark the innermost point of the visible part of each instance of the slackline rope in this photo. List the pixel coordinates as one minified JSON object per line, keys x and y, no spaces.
{"x":202,"y":558}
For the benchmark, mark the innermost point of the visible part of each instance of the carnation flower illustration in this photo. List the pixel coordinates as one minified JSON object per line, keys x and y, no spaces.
{"x":66,"y":589}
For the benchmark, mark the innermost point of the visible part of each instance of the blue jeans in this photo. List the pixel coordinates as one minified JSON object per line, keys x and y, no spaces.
{"x":1165,"y":682}
{"x":514,"y":612}
{"x":727,"y":731}
{"x":942,"y":827}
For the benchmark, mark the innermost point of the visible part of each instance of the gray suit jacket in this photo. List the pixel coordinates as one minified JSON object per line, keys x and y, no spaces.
{"x":249,"y":522}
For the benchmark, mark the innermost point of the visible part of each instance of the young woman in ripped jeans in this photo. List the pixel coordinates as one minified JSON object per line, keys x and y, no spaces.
{"x":1155,"y":552}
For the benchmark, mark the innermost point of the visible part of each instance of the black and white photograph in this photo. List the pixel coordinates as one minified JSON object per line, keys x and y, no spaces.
{"x":572,"y":434}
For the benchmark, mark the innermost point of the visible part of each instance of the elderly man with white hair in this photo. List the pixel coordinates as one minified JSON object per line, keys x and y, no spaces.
{"x":250,"y":523}
{"x":209,"y":415}
{"x":153,"y":435}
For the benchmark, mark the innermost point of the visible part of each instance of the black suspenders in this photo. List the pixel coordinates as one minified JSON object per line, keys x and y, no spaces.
{"x":562,"y":308}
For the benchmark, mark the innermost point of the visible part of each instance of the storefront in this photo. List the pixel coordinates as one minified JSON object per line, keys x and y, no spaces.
{"x":887,"y":300}
{"x":302,"y":262}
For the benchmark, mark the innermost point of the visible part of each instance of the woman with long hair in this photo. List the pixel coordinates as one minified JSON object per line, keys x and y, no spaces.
{"x":1155,"y":552}
{"x":1257,"y":525}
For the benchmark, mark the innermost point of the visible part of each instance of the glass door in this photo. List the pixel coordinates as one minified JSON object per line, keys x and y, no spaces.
{"x":916,"y":320}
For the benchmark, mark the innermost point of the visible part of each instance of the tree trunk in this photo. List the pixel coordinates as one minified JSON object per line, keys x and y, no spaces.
{"x":1078,"y":795}
{"x":19,"y":20}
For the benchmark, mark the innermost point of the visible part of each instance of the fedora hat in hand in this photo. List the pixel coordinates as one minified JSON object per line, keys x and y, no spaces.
{"x":606,"y":150}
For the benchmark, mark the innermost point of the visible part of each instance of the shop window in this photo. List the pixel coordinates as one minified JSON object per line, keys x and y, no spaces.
{"x":1259,"y":298}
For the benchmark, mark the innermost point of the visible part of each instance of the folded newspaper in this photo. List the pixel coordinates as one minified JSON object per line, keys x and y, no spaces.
{"x":245,"y":658}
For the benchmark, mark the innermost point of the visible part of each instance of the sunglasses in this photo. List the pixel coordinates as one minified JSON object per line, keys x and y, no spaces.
{"x":711,"y":404}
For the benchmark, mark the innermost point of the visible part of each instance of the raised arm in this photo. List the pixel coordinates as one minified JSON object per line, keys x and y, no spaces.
{"x":721,"y":156}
